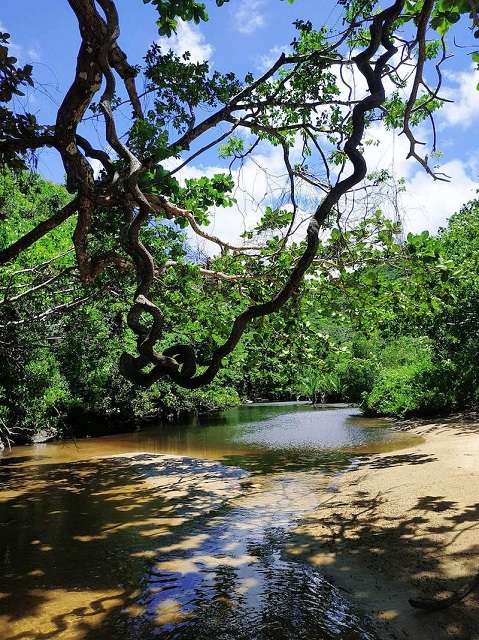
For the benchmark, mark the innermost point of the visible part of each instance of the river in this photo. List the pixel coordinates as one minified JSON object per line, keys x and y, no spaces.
{"x":120,"y":537}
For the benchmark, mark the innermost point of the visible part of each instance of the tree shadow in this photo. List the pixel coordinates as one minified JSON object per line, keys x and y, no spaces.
{"x":151,"y":547}
{"x":134,"y":547}
{"x":275,"y":461}
{"x":399,"y":460}
{"x":461,"y":424}
{"x":77,"y":538}
{"x":356,"y":535}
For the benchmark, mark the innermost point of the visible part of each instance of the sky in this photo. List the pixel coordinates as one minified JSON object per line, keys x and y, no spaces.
{"x":242,"y":36}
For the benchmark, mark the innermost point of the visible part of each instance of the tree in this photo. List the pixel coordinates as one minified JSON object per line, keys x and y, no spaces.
{"x":305,"y":97}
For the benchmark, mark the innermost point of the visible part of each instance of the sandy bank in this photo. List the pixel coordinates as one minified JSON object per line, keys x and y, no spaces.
{"x":404,"y":524}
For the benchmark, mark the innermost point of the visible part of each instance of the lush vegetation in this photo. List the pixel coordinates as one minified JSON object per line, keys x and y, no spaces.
{"x":106,"y":313}
{"x":390,"y":326}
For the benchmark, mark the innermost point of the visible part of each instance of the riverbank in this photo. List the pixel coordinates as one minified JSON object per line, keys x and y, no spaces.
{"x":404,"y":524}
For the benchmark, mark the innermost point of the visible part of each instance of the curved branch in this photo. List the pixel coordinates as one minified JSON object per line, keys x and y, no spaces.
{"x":184,"y":374}
{"x":38,"y":232}
{"x":163,"y":205}
{"x":418,"y":80}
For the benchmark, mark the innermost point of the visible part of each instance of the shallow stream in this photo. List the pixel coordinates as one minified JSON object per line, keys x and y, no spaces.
{"x":105,"y":538}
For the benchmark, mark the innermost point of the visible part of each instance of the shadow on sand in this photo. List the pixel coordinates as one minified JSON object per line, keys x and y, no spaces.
{"x":81,"y":544}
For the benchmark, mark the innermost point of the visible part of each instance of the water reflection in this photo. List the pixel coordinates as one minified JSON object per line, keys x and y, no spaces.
{"x":291,"y":427}
{"x":76,"y":540}
{"x":94,"y":546}
{"x":235,"y":583}
{"x":266,"y":437}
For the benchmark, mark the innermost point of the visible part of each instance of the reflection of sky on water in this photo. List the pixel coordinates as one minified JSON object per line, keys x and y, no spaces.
{"x":216,"y":539}
{"x":254,"y":429}
{"x":238,"y":584}
{"x":268,"y":437}
{"x":313,"y":428}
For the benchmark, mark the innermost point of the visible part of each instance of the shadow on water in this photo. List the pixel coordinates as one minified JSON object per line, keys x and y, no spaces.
{"x":77,"y":538}
{"x":294,"y":435}
{"x":90,"y":551}
{"x":143,"y":546}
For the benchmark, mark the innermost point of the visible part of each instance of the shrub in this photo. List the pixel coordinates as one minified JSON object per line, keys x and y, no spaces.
{"x":357,"y":379}
{"x":172,"y":401}
{"x":410,"y":382}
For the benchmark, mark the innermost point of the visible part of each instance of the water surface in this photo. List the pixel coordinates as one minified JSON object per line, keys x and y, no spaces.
{"x":98,"y":544}
{"x":258,"y":437}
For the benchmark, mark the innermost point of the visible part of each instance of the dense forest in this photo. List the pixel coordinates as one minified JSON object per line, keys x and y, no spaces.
{"x":392,"y":326}
{"x":109,"y":311}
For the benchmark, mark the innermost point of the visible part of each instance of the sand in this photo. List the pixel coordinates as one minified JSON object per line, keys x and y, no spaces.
{"x":404,"y":524}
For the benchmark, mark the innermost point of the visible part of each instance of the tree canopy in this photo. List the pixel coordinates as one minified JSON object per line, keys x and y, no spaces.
{"x":315,"y":102}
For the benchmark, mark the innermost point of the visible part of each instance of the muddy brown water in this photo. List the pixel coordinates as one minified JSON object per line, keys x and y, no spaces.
{"x":111,"y":538}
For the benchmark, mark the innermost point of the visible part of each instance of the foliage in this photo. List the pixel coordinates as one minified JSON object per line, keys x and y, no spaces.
{"x":408,"y":381}
{"x":61,"y":373}
{"x":386,"y":323}
{"x":392,"y":327}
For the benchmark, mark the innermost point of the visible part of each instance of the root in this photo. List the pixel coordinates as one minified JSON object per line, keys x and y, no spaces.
{"x":431,"y":604}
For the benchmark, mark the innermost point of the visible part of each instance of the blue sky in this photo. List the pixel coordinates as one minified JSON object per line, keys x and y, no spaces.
{"x":241,"y":36}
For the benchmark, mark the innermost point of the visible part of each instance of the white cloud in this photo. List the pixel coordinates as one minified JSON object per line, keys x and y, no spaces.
{"x":267,"y":60}
{"x":463,"y":111}
{"x":96,"y":166}
{"x":249,"y":16}
{"x":258,"y":182}
{"x":385,"y":149}
{"x":188,"y":37}
{"x":23,"y":54}
{"x":427,"y":204}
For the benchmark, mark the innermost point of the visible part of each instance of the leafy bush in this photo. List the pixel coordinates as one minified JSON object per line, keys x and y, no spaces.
{"x":318,"y":385}
{"x":172,"y":401}
{"x":357,"y":378}
{"x":410,"y":382}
